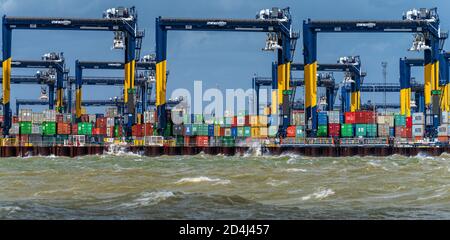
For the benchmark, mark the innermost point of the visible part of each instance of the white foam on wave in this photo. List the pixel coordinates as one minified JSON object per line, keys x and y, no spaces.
{"x":149,"y":198}
{"x":294,"y":170}
{"x":202,"y":179}
{"x":321,"y":193}
{"x":119,"y":151}
{"x":10,"y":209}
{"x":276,"y":183}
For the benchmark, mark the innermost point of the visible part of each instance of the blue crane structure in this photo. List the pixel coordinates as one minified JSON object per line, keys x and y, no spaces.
{"x":81,"y":65}
{"x":56,"y":64}
{"x":327,"y":82}
{"x":121,"y":21}
{"x":89,"y":103}
{"x":353,"y":70}
{"x":425,"y":23}
{"x":275,"y":22}
{"x":405,"y":65}
{"x":140,"y":81}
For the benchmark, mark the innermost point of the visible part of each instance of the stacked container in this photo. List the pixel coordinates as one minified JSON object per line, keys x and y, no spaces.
{"x":418,"y":126}
{"x":322,"y":128}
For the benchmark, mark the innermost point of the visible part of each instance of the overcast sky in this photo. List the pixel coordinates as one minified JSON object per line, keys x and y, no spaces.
{"x":223,"y":60}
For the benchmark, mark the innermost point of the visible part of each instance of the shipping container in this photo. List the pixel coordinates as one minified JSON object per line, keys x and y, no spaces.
{"x":418,"y":130}
{"x":409,"y":122}
{"x":25,"y":115}
{"x":299,"y":131}
{"x":350,"y":118}
{"x":365,"y":117}
{"x":371,"y":130}
{"x":399,"y":120}
{"x":334,"y":117}
{"x":383,"y":130}
{"x":444,"y":117}
{"x":322,"y":118}
{"x":49,"y":128}
{"x":347,"y":129}
{"x":63,"y":128}
{"x":25,"y":127}
{"x":360,"y":130}
{"x":202,"y":141}
{"x":273,"y":130}
{"x":443,"y":130}
{"x":322,"y":131}
{"x":255,"y":132}
{"x":298,"y":118}
{"x":291,"y":131}
{"x":418,"y":118}
{"x":334,"y":129}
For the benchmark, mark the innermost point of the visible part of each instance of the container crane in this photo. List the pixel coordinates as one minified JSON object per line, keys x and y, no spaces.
{"x":275,"y":22}
{"x":422,"y":21}
{"x":81,"y":65}
{"x":121,"y":21}
{"x":54,"y":75}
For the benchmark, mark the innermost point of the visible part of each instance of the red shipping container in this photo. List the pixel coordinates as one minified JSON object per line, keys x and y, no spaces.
{"x":63,"y":128}
{"x":1,"y":118}
{"x":59,"y":118}
{"x":290,"y":131}
{"x":136,"y":130}
{"x":350,"y":117}
{"x":74,"y":129}
{"x":407,"y":132}
{"x":334,"y":129}
{"x":443,"y":139}
{"x":222,"y":131}
{"x":409,"y":122}
{"x":148,"y":129}
{"x":365,"y":117}
{"x":84,"y":118}
{"x":15,"y":119}
{"x":234,"y":121}
{"x":100,"y":122}
{"x":202,"y":141}
{"x":189,"y":141}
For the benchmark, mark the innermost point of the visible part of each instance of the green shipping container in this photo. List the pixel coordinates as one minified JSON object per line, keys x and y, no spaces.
{"x":49,"y":128}
{"x":247,"y":132}
{"x":346,"y":130}
{"x":240,"y":131}
{"x":168,"y":130}
{"x":85,"y":128}
{"x":300,"y":131}
{"x":179,"y":141}
{"x":361,"y":130}
{"x":371,"y":130}
{"x":273,"y":130}
{"x":227,"y":141}
{"x":25,"y":127}
{"x":399,"y":120}
{"x":322,"y":131}
{"x":202,"y":130}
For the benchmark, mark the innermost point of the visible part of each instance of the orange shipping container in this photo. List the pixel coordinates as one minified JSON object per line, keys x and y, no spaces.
{"x":148,"y":129}
{"x":63,"y":128}
{"x":202,"y":141}
{"x":290,"y":131}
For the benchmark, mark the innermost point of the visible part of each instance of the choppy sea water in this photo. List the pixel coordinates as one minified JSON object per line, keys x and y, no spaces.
{"x":129,"y":186}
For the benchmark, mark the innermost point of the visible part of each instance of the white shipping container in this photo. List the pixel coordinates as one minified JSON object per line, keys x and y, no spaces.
{"x":228,"y":120}
{"x":383,"y":130}
{"x":333,"y":117}
{"x":418,"y":118}
{"x":418,"y":130}
{"x":443,"y":130}
{"x":25,"y":115}
{"x":37,"y":118}
{"x":36,"y":129}
{"x":389,"y":119}
{"x":49,"y":115}
{"x":110,"y":122}
{"x":92,"y":118}
{"x":444,"y":117}
{"x":111,"y":112}
{"x":240,"y":120}
{"x":67,"y":117}
{"x":14,"y":129}
{"x":381,"y":119}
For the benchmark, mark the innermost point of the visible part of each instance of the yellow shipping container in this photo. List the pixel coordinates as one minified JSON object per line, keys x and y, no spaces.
{"x":216,"y":130}
{"x":255,"y":132}
{"x":266,"y":111}
{"x":263,"y":131}
{"x":254,"y":121}
{"x":263,"y":120}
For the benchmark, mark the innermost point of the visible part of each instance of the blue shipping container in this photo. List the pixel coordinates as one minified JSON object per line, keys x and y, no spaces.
{"x":322,"y":118}
{"x":392,"y":132}
{"x":188,"y":129}
{"x":211,"y":130}
{"x":234,"y":131}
